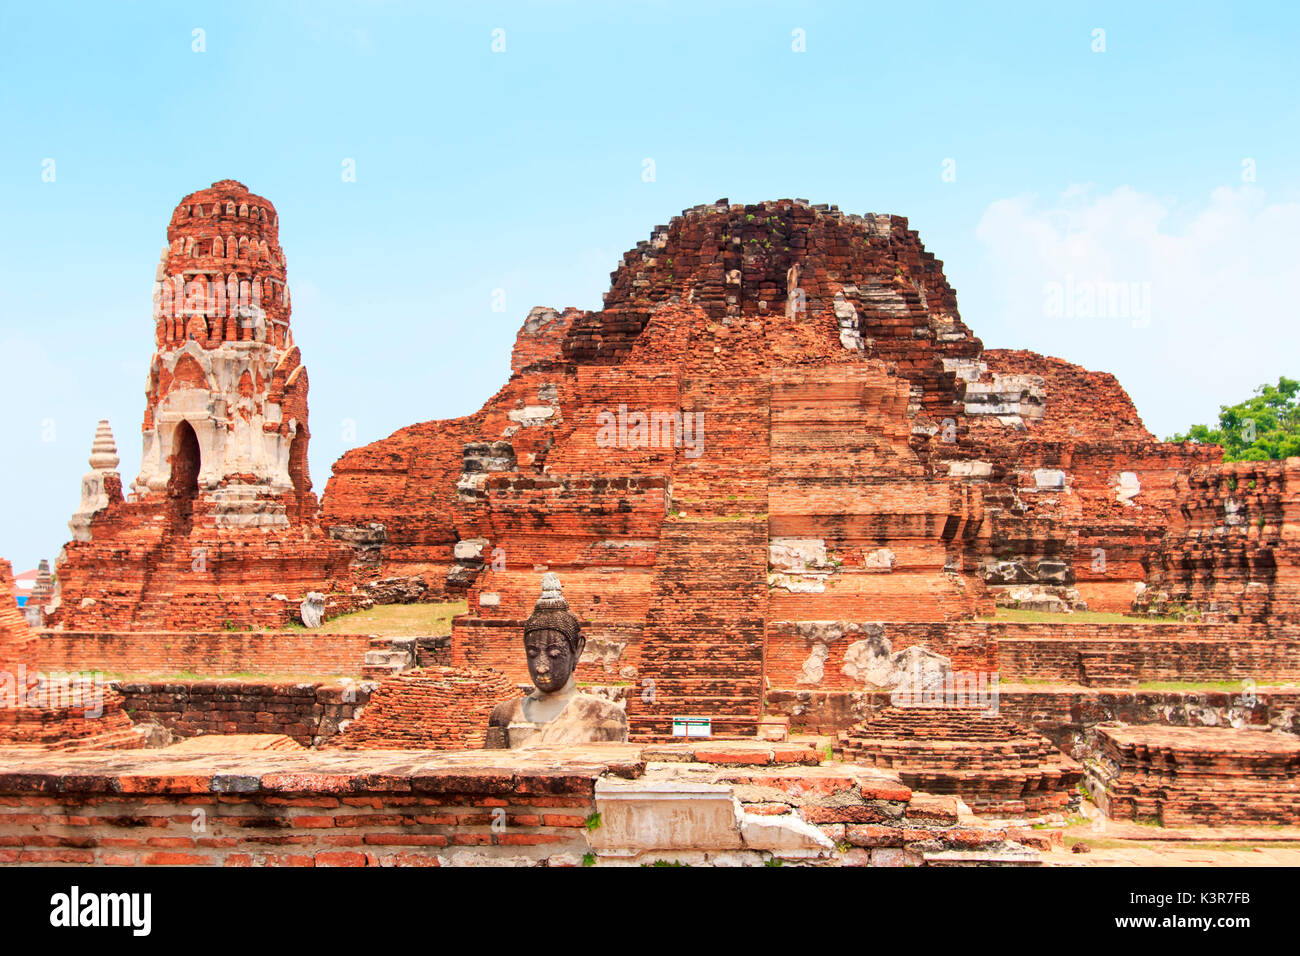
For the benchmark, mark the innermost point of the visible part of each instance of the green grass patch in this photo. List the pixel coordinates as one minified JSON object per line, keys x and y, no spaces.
{"x":1218,"y":685}
{"x":187,"y":677}
{"x":1019,"y":616}
{"x":1108,"y":843}
{"x":398,"y":620}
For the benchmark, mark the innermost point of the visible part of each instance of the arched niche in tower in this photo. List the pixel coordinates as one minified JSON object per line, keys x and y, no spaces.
{"x":186,"y":462}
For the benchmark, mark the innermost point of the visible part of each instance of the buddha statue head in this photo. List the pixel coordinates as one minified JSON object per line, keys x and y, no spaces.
{"x":553,"y":639}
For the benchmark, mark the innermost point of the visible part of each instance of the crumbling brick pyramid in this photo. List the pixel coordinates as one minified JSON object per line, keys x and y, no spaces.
{"x":220,"y":528}
{"x":995,"y":765}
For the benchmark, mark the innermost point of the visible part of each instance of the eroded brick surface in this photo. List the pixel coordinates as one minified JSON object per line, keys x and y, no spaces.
{"x":428,"y":708}
{"x":1233,"y":553}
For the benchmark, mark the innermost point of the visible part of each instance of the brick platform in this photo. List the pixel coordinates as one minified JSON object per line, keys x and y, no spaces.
{"x":1176,"y":776}
{"x":274,"y":808}
{"x":193,"y":806}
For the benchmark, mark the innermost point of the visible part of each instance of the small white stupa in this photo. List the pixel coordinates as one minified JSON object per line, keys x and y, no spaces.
{"x":94,"y":495}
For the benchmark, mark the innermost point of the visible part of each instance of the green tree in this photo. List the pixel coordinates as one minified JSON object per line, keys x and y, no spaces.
{"x":1262,"y":427}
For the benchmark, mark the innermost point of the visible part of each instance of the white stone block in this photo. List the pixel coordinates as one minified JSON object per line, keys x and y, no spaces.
{"x":637,"y":816}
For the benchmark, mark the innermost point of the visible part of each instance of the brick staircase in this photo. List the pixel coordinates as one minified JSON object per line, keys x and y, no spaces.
{"x":388,"y":657}
{"x":174,"y":590}
{"x":703,"y":648}
{"x":995,"y":765}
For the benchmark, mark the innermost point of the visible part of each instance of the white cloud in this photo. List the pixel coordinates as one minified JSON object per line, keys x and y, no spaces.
{"x":1220,"y":277}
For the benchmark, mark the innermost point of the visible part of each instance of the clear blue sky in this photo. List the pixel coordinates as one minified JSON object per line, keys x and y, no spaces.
{"x":522,"y":171}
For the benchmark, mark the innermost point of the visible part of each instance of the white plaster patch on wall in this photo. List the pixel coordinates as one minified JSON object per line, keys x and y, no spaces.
{"x":530,"y":416}
{"x":796,"y":554}
{"x":1127,"y":487}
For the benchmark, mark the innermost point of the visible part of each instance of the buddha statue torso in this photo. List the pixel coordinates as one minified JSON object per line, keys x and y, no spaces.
{"x":556,"y":712}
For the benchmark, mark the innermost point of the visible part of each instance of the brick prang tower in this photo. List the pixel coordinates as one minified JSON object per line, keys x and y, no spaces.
{"x":226,"y":377}
{"x":220,"y":529}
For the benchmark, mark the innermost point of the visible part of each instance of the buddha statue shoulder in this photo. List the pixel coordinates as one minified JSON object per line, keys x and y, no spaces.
{"x":556,"y":712}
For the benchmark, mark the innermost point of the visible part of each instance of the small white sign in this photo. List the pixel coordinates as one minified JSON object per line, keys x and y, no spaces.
{"x":692,"y":726}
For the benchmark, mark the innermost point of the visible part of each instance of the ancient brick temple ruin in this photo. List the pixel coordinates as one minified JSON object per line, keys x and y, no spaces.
{"x":782,"y":483}
{"x":220,"y":526}
{"x":777,"y":431}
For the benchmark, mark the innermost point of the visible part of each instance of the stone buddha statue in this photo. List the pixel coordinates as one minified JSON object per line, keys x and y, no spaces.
{"x":556,"y":712}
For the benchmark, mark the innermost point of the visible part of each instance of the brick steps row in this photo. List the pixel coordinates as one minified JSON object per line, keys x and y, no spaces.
{"x":703,"y":643}
{"x":992,"y":763}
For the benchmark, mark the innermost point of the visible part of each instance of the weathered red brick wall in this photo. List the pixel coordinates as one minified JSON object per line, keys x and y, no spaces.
{"x":406,"y":484}
{"x":1234,"y":552}
{"x":844,"y":476}
{"x":1123,"y":535}
{"x":308,"y":712}
{"x":1064,"y":716}
{"x":435,"y":708}
{"x":969,"y":645}
{"x":214,"y":653}
{"x":1067,"y":716}
{"x":385,"y":813}
{"x":1118,"y":495}
{"x":1122,"y":656}
{"x":136,"y":573}
{"x":1091,"y":653}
